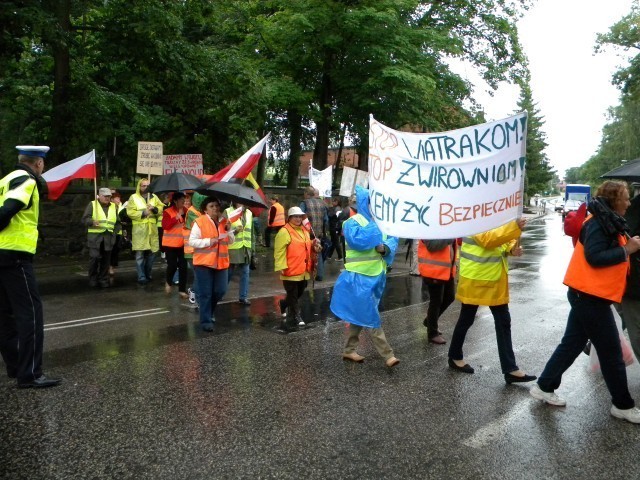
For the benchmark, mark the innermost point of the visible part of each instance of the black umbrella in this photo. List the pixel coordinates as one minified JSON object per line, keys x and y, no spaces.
{"x":175,"y":182}
{"x":233,"y":192}
{"x":629,"y":171}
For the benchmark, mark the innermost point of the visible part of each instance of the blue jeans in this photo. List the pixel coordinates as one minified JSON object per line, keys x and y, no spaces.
{"x":502,"y":321}
{"x":212,"y":285}
{"x":144,"y":264}
{"x":244,"y":278}
{"x":590,"y":318}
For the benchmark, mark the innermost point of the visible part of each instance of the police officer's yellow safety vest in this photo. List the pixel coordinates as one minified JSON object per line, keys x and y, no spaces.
{"x":107,"y":222}
{"x":479,"y":263}
{"x":367,"y":262}
{"x":22,"y":232}
{"x":243,"y":238}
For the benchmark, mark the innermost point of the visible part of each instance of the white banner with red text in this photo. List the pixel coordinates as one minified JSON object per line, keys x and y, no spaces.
{"x":450,"y":184}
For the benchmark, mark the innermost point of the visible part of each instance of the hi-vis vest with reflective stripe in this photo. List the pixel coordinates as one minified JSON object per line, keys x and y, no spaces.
{"x":298,"y":252}
{"x":439,"y":265}
{"x":188,"y":249}
{"x":215,"y":256}
{"x":107,"y":222}
{"x":243,"y":238}
{"x":479,"y":263}
{"x":173,"y":237}
{"x":22,"y":232}
{"x":602,"y":282}
{"x":279,"y":219}
{"x":367,"y":262}
{"x":141,"y":204}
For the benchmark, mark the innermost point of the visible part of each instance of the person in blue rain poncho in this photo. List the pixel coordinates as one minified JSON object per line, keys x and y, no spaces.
{"x":357,"y":292}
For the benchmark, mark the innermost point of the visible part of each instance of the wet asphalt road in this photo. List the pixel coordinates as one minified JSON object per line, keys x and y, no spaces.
{"x":147,"y":395}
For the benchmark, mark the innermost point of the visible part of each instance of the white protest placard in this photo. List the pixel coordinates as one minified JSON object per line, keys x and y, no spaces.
{"x":447,"y":185}
{"x":149,"y":158}
{"x":351,"y":178}
{"x":190,"y":163}
{"x":321,"y":180}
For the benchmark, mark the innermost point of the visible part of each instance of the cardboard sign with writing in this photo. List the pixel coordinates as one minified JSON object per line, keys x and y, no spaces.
{"x":190,"y":163}
{"x":149,"y":158}
{"x":352,"y":178}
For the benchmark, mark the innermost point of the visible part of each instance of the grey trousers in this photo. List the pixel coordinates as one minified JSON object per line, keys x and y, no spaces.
{"x":377,"y":335}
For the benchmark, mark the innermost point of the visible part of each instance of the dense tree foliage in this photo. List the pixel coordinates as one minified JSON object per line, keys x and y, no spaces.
{"x":538,"y":173}
{"x":620,"y":140}
{"x":212,"y":77}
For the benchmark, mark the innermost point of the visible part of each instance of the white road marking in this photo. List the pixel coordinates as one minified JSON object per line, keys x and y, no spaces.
{"x":104,"y":318}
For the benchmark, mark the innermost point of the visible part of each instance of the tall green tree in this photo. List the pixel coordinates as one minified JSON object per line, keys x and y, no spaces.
{"x":538,"y":172}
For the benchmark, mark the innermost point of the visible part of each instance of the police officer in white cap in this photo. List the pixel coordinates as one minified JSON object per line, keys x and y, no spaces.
{"x":21,"y":319}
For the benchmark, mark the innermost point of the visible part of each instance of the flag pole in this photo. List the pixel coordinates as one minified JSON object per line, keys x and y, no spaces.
{"x":95,"y":185}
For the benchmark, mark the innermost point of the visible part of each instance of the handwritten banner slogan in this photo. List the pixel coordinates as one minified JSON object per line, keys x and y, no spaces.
{"x":450,"y":184}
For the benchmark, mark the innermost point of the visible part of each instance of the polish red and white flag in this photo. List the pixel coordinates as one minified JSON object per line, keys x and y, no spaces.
{"x":58,"y":178}
{"x":235,"y":215}
{"x":242,"y":167}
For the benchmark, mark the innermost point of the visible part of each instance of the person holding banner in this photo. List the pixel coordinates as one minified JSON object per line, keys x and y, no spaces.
{"x":210,"y":239}
{"x":144,"y":209}
{"x":101,"y":219}
{"x":484,"y":280}
{"x":596,"y":277}
{"x":173,"y":243}
{"x":359,"y":288}
{"x":242,"y":250}
{"x":437,"y":267}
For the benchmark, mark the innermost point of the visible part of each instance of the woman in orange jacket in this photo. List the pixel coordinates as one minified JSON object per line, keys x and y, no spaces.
{"x":210,"y":240}
{"x":596,"y":277}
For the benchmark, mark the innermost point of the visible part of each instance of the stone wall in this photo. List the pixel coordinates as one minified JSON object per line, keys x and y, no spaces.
{"x":62,"y":234}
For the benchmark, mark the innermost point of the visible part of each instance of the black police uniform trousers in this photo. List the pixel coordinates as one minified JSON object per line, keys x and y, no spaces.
{"x":21,"y":322}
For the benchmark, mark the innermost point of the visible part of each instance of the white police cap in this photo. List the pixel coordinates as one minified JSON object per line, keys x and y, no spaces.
{"x":33,"y":150}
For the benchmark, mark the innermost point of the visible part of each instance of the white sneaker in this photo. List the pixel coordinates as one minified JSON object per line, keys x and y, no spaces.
{"x":630,"y":414}
{"x":550,"y":398}
{"x":192,"y":296}
{"x":301,"y":323}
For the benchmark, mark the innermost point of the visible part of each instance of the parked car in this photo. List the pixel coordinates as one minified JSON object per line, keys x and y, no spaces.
{"x":559,"y":206}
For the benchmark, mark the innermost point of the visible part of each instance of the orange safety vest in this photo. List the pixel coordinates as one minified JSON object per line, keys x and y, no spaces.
{"x":186,"y":232}
{"x":215,"y":256}
{"x":278,"y":220}
{"x":439,"y":265}
{"x":173,"y":237}
{"x":298,"y":252}
{"x":602,"y":282}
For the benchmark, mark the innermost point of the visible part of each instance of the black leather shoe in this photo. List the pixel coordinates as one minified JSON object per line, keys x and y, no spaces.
{"x":244,"y":301}
{"x":514,"y":379}
{"x":466,"y":368}
{"x":40,"y":382}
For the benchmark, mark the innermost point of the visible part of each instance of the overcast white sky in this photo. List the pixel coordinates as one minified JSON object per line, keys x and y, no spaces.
{"x":570,"y":84}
